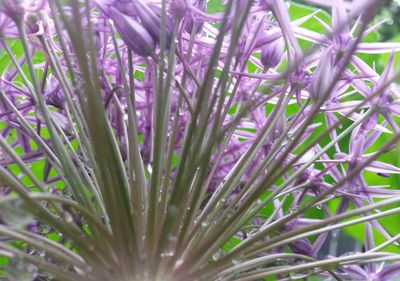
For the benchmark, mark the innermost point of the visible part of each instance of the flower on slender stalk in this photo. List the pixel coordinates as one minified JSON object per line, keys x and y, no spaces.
{"x":13,"y":9}
{"x":136,"y":36}
{"x":16,"y":9}
{"x":271,"y":54}
{"x":321,"y":84}
{"x":191,"y":23}
{"x":7,"y":27}
{"x":150,"y":19}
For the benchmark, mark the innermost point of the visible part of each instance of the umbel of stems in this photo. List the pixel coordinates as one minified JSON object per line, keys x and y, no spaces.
{"x":189,"y":140}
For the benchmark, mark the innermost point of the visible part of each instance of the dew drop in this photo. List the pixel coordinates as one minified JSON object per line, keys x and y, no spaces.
{"x":67,"y":217}
{"x":44,"y":228}
{"x":149,"y":169}
{"x":217,"y":255}
{"x":205,"y":223}
{"x":178,"y":263}
{"x":13,"y":213}
{"x":83,"y":271}
{"x":335,"y":233}
{"x":300,"y":275}
{"x":46,"y":275}
{"x":237,"y":260}
{"x":18,"y":270}
{"x":293,"y":209}
{"x":172,"y":240}
{"x":280,"y":262}
{"x":37,"y":253}
{"x":167,"y":254}
{"x":252,"y":232}
{"x":142,"y":258}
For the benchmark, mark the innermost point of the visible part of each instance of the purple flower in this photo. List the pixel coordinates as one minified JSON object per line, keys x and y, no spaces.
{"x":372,"y":271}
{"x":234,"y":130}
{"x":271,"y":54}
{"x":150,"y":18}
{"x":190,"y":20}
{"x":13,"y":8}
{"x":321,"y":81}
{"x":7,"y":27}
{"x":135,"y":35}
{"x":16,"y":9}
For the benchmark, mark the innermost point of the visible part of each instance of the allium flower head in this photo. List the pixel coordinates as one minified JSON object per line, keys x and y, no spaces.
{"x":194,"y":140}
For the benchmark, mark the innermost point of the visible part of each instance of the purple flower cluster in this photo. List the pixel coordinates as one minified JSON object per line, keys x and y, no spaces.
{"x":292,"y":95}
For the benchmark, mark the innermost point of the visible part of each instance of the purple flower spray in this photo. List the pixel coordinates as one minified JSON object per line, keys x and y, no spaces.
{"x":155,"y":140}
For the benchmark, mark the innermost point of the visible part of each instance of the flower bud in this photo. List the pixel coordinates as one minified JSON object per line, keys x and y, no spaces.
{"x":124,"y":6}
{"x":322,"y":77}
{"x":8,"y":29}
{"x":267,"y":4}
{"x":56,"y":98}
{"x":136,"y":37}
{"x":13,"y":8}
{"x":34,"y":24}
{"x":151,"y":21}
{"x":179,"y":8}
{"x":271,"y":54}
{"x":191,"y":22}
{"x":16,"y":9}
